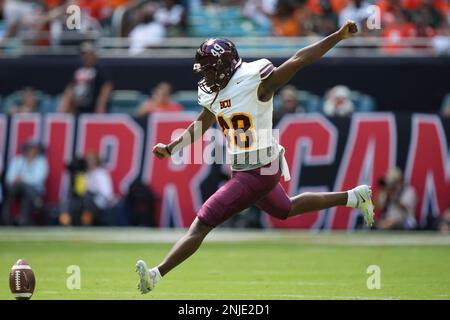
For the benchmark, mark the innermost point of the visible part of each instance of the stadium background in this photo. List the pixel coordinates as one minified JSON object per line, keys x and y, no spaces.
{"x":399,"y":77}
{"x":323,"y":154}
{"x":398,"y":85}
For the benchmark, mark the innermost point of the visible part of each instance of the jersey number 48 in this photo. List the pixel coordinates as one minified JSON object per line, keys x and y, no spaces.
{"x":238,"y":129}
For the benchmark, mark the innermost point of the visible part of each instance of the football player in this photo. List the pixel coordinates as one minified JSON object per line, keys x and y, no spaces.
{"x":239,"y":96}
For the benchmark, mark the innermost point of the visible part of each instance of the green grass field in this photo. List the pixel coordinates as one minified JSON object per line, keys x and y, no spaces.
{"x":232,"y":265}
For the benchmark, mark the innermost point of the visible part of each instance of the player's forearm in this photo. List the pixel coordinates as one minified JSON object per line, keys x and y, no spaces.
{"x":300,"y":59}
{"x":189,"y":136}
{"x":194,"y":132}
{"x":315,"y":51}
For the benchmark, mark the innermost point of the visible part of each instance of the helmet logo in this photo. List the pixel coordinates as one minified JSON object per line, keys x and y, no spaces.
{"x":216,"y":60}
{"x":218,"y":50}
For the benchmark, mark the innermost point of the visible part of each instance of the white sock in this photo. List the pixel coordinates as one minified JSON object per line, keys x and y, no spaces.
{"x":158,"y":275}
{"x":351,"y":199}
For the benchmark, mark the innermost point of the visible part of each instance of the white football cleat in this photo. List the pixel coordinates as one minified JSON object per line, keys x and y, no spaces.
{"x":364,"y":203}
{"x":145,"y":285}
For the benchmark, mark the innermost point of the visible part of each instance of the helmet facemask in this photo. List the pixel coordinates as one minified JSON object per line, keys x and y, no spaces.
{"x":216,"y":61}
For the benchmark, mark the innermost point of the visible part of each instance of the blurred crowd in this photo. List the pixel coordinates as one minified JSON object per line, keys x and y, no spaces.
{"x":54,"y":22}
{"x":92,"y":90}
{"x":91,"y":198}
{"x":320,"y":17}
{"x":396,"y":204}
{"x":147,"y":23}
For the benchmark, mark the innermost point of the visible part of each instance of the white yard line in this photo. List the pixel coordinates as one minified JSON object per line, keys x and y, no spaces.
{"x":159,"y":295}
{"x":148,"y":235}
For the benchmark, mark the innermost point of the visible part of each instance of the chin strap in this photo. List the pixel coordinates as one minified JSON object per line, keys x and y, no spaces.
{"x":217,"y":94}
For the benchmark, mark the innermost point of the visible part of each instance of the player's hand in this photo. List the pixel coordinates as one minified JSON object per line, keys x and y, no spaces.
{"x":348,"y":30}
{"x":160,"y":151}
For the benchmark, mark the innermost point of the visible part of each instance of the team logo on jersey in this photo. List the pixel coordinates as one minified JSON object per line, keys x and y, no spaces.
{"x":225,"y":104}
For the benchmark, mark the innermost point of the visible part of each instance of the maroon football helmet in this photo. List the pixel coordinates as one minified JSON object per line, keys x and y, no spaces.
{"x":216,"y":60}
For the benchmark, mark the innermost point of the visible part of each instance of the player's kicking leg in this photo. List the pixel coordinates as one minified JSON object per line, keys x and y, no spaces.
{"x":182,"y":250}
{"x":243,"y":190}
{"x":359,"y":198}
{"x":278,"y":204}
{"x":238,"y":193}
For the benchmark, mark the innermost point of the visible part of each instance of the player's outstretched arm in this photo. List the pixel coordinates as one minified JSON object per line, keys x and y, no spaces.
{"x":195,"y":130}
{"x":302,"y":58}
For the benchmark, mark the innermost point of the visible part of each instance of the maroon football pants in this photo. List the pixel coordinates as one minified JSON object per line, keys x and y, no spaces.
{"x":244,"y":189}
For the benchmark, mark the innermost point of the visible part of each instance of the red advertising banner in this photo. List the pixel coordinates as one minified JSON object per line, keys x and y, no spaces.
{"x":324,"y":154}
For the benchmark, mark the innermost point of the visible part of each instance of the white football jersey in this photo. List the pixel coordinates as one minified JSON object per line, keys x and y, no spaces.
{"x":245,"y":120}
